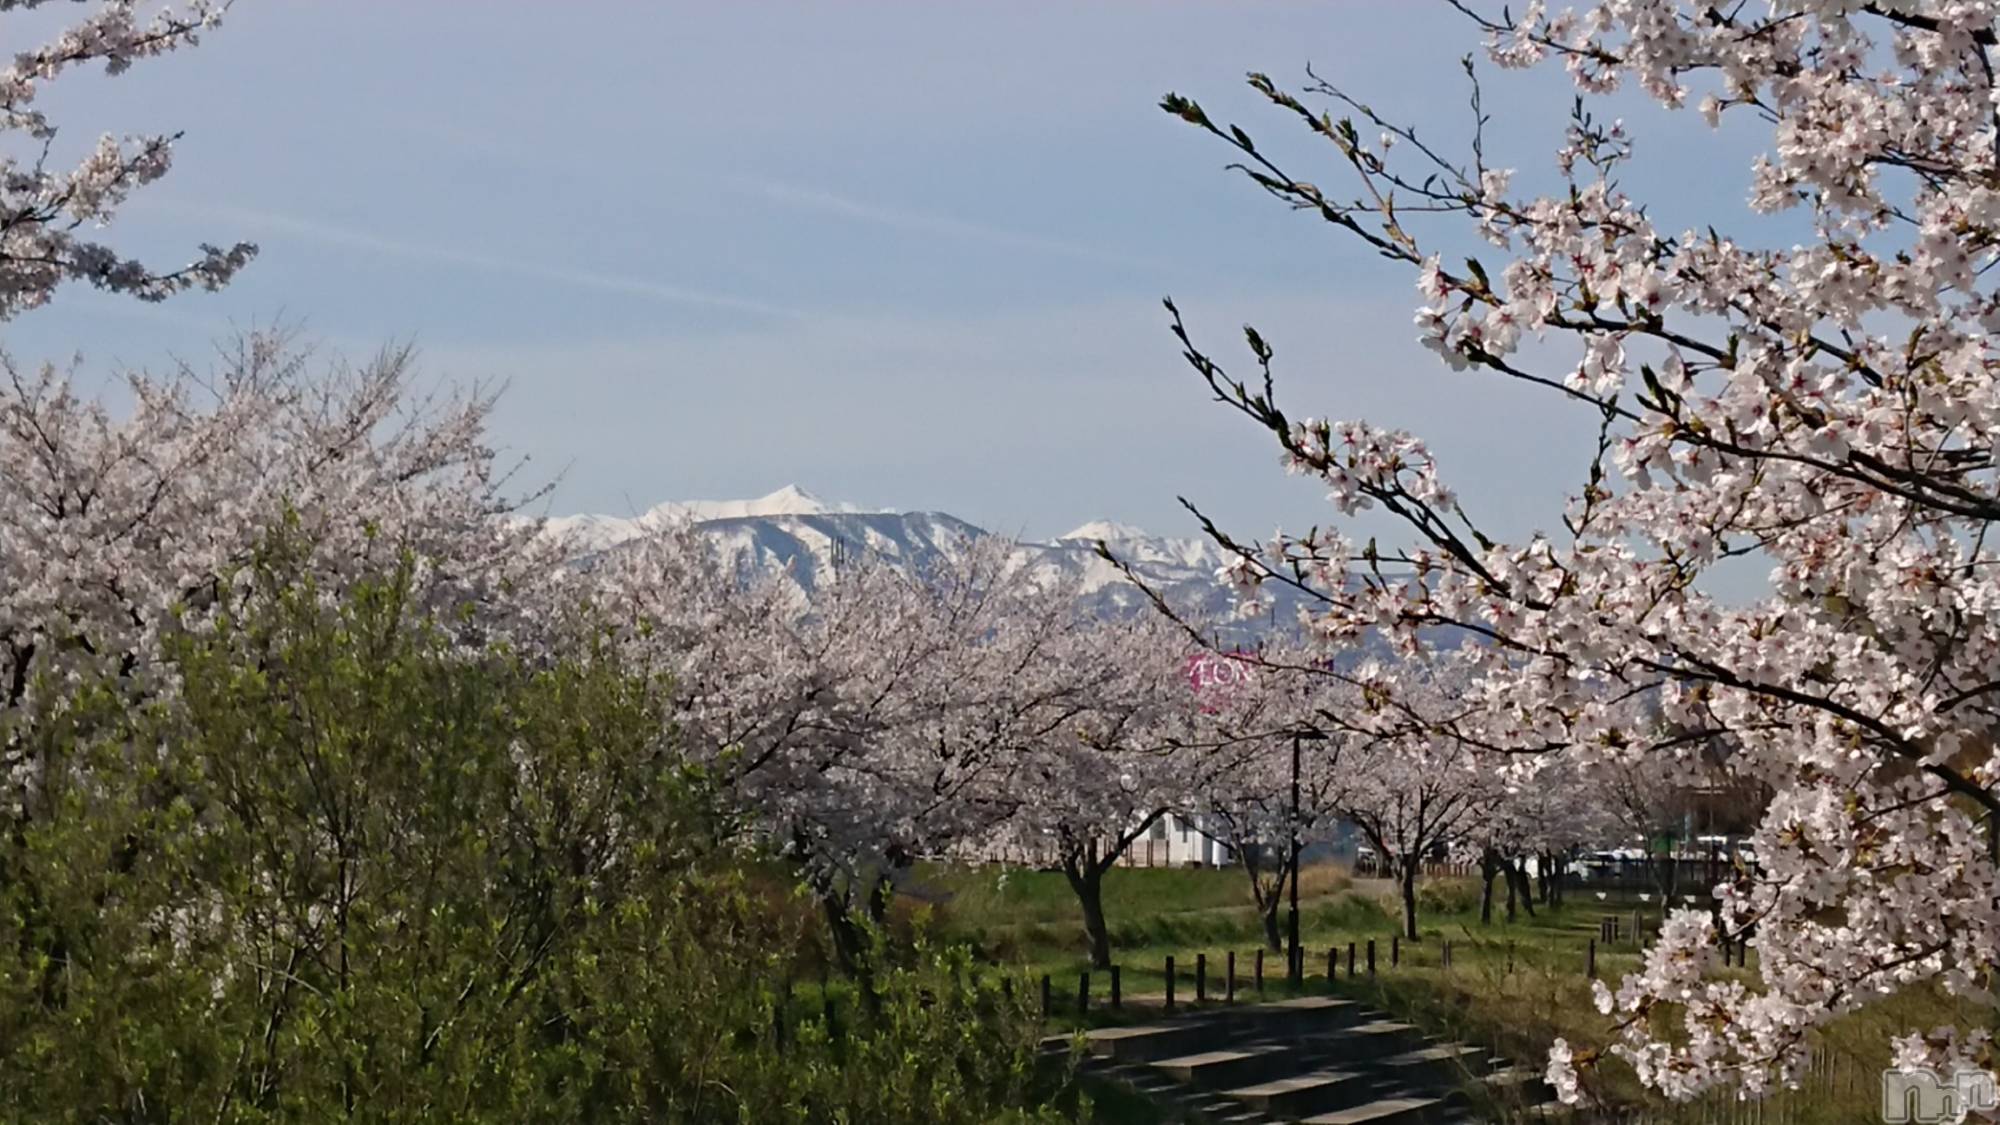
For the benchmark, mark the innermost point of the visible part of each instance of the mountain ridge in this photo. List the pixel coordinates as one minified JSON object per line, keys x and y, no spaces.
{"x":796,"y":532}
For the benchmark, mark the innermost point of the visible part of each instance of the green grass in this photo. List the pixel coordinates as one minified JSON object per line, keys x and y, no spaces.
{"x":1024,"y":917}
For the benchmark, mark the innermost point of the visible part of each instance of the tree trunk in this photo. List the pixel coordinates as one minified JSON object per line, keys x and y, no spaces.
{"x":1273,"y":941}
{"x":1087,"y":880}
{"x":1489,"y":866}
{"x":1513,"y":888}
{"x":1409,"y":873}
{"x":849,"y":941}
{"x":1266,"y":897}
{"x":1520,"y":874}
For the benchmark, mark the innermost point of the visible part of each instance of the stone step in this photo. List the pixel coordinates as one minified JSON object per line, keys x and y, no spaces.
{"x":1215,"y":1109}
{"x":1298,"y":1013}
{"x":1260,"y":1063}
{"x":1511,"y":1093}
{"x":1404,"y":1110}
{"x":1379,"y":1038}
{"x":1445,"y":1064}
{"x":1315,"y":1091}
{"x":1519,"y":1084}
{"x":1231,"y":1066}
{"x":1146,"y":1041}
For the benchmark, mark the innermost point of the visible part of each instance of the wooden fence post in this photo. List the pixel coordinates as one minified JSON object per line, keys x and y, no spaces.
{"x":1332,"y":962}
{"x":1395,"y":950}
{"x":1048,"y":1005}
{"x":1117,"y":994}
{"x":1371,"y":957}
{"x":1083,"y":993}
{"x":1260,"y":972}
{"x":1229,"y":988}
{"x":1170,"y":982}
{"x":1350,"y":960}
{"x":1201,"y":978}
{"x":1590,"y":962}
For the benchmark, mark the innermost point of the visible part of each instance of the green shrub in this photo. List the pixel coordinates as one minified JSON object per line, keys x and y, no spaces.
{"x":358,"y":867}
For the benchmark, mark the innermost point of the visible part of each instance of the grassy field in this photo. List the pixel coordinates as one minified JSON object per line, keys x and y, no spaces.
{"x":1031,"y":917}
{"x":1513,"y":987}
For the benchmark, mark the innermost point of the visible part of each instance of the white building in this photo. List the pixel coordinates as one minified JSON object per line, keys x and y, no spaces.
{"x":1171,"y":841}
{"x":1177,"y":841}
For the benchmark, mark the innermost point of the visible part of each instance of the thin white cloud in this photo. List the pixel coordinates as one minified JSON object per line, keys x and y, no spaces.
{"x":334,"y":235}
{"x":923,"y":222}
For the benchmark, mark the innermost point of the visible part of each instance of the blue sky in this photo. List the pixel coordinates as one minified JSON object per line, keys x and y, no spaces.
{"x":908,"y":255}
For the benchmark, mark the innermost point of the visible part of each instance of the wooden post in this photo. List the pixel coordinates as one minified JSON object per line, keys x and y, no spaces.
{"x":1260,"y":972}
{"x":1048,"y":1005}
{"x":1350,"y":960}
{"x":1170,"y":982}
{"x":1229,"y":987}
{"x":1371,"y":957}
{"x":1117,"y":994}
{"x":1332,"y":962}
{"x":1590,"y":962}
{"x":1395,"y":950}
{"x":1083,"y":993}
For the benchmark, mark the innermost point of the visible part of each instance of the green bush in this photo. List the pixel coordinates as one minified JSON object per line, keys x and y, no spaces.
{"x":359,"y":867}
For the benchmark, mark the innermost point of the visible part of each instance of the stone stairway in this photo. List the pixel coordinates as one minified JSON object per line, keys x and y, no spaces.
{"x":1317,"y":1059}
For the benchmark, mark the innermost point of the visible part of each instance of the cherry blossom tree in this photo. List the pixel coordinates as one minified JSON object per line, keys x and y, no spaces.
{"x":1413,"y":798}
{"x":882,"y":718}
{"x":1249,"y":802}
{"x":1087,"y":788}
{"x":43,"y":205}
{"x":1825,"y":406}
{"x":1565,"y":806}
{"x":116,"y":526}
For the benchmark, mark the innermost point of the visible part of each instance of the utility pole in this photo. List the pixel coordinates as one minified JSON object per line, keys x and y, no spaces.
{"x":1292,"y":828}
{"x":1297,"y":961}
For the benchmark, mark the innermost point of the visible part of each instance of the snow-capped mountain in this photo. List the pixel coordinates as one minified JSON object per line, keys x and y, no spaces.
{"x":791,"y":529}
{"x":591,"y":533}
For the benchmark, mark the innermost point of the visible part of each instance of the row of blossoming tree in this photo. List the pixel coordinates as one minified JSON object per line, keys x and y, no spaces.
{"x":1813,"y":392}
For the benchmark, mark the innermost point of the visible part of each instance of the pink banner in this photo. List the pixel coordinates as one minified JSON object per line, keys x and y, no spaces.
{"x":1215,"y":677}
